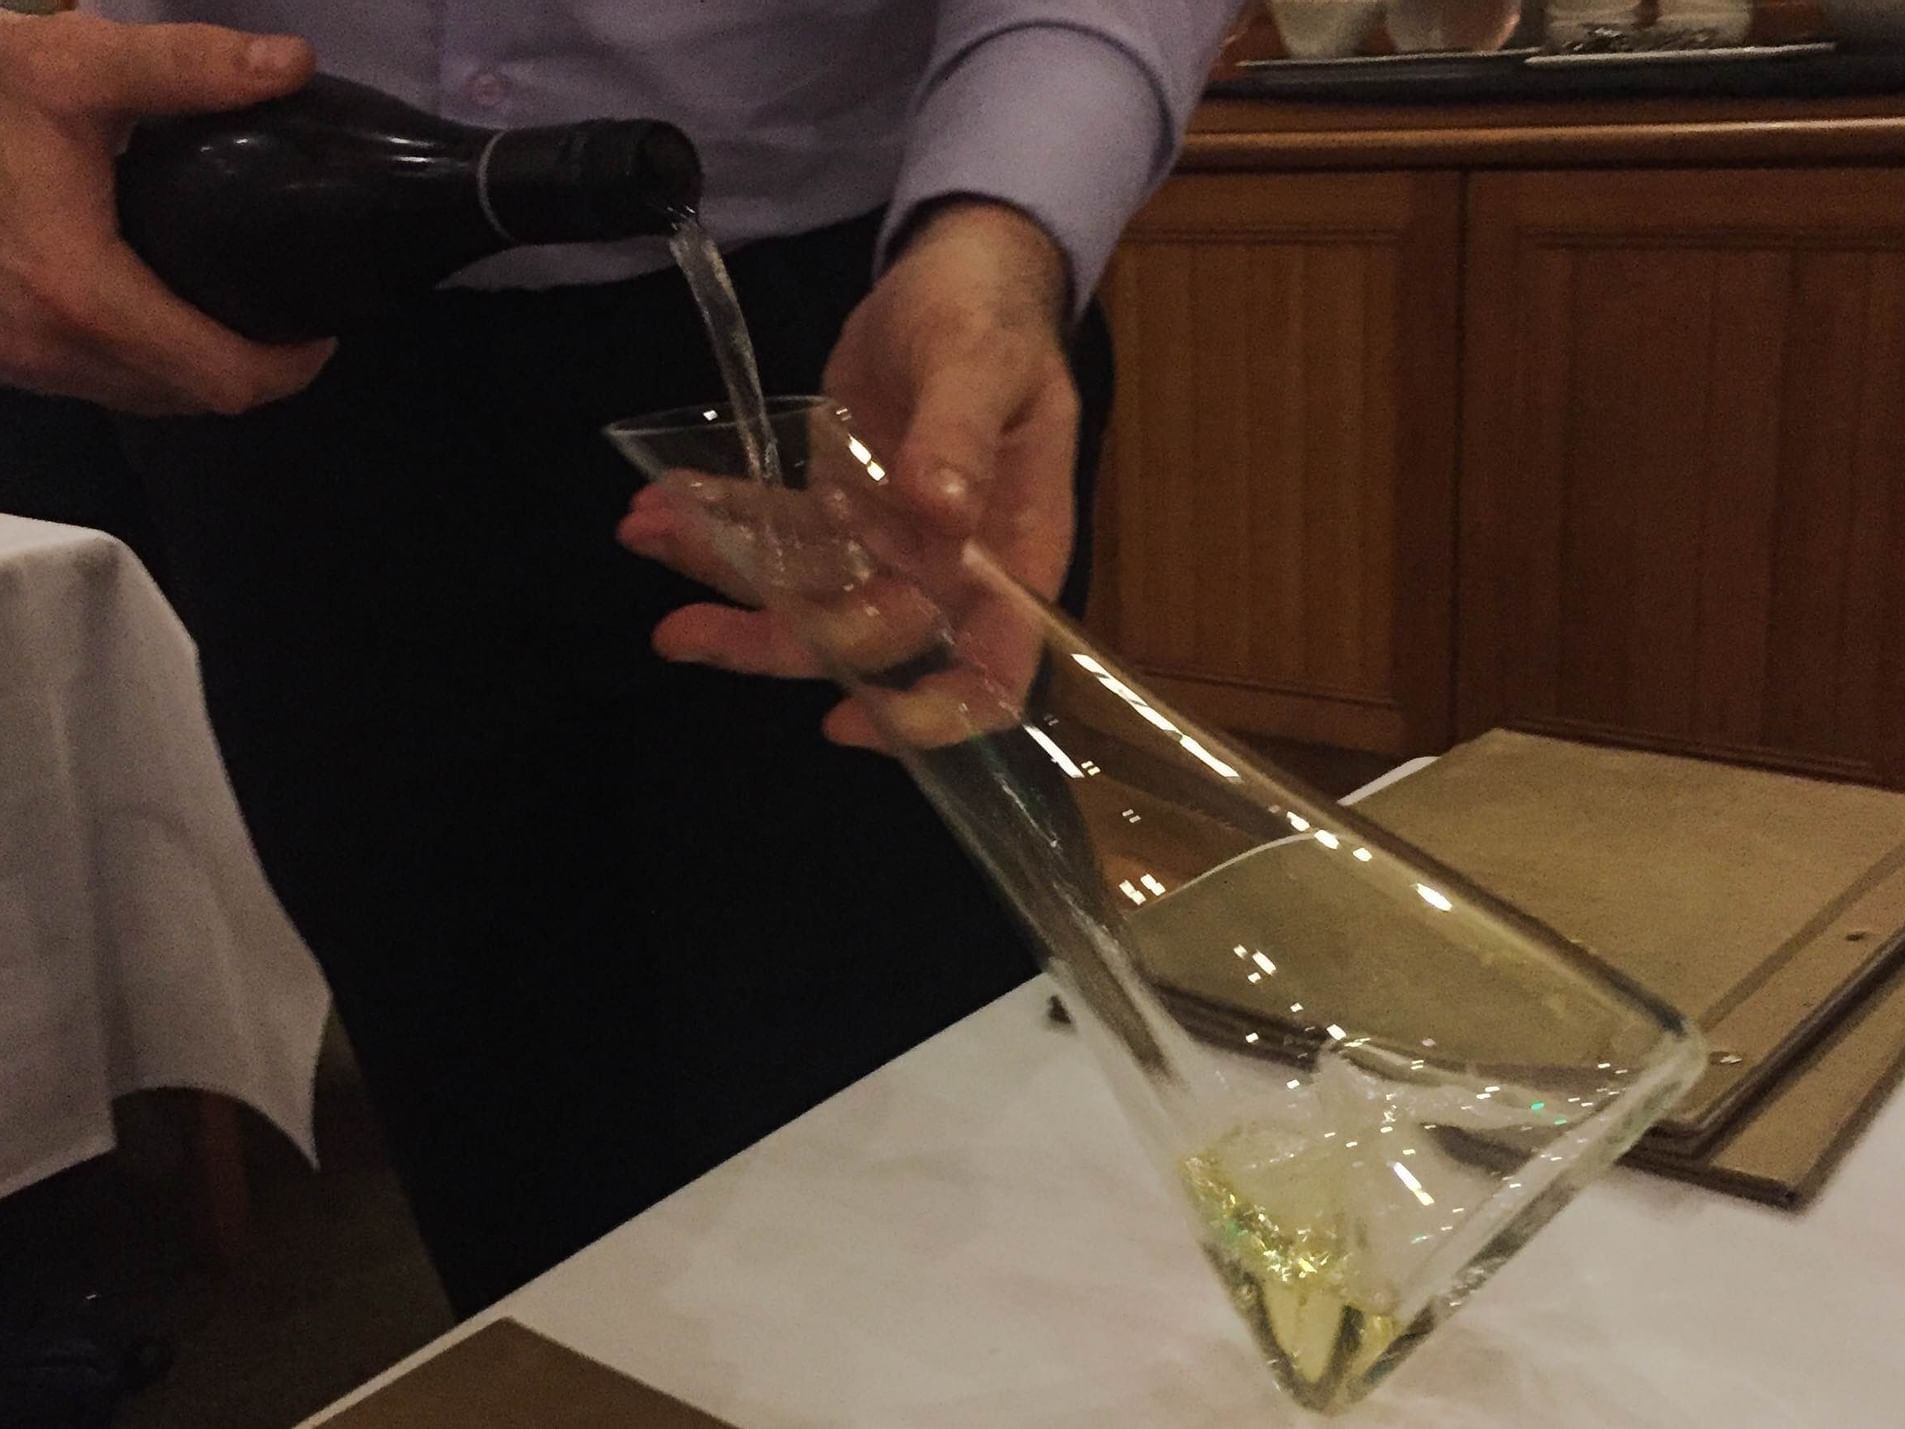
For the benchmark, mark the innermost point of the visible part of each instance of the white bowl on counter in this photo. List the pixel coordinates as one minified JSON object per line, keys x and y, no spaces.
{"x":1324,"y":29}
{"x":1463,"y":26}
{"x":1717,"y":22}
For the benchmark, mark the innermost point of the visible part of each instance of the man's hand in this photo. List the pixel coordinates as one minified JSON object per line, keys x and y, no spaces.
{"x":955,"y":364}
{"x":80,"y":315}
{"x":955,"y":372}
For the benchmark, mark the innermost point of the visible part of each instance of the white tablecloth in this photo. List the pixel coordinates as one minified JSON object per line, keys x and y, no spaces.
{"x":140,"y":945}
{"x":971,"y":1237}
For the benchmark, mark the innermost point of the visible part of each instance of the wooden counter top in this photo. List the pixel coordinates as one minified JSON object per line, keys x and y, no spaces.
{"x":1254,"y":134}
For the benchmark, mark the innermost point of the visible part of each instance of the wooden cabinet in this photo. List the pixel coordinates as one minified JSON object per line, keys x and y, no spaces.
{"x":1522,"y":423}
{"x":1683,"y":473}
{"x":1282,"y":490}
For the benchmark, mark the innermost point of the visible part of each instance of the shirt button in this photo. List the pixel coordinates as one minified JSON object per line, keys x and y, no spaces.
{"x":489,"y":89}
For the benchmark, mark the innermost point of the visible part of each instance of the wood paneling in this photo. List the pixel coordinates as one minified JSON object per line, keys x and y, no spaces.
{"x":1683,"y":474}
{"x":1277,"y":522}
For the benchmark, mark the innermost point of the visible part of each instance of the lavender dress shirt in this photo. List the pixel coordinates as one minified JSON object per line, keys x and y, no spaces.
{"x":806,"y":112}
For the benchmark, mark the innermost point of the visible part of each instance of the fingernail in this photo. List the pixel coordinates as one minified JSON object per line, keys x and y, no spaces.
{"x":950,"y":485}
{"x":672,"y":649}
{"x":650,"y":498}
{"x":644,"y":526}
{"x":270,"y":56}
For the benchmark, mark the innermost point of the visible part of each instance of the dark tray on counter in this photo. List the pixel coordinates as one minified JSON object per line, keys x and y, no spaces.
{"x":1746,"y":72}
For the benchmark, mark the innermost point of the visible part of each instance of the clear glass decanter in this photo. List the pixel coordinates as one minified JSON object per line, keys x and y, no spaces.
{"x":1370,"y":1081}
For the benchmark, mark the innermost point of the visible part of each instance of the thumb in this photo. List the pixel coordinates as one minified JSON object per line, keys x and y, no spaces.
{"x":947,"y":457}
{"x":174,"y":69}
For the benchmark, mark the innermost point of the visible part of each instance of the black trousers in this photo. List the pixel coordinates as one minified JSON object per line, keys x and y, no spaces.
{"x":594,"y":923}
{"x":60,"y":461}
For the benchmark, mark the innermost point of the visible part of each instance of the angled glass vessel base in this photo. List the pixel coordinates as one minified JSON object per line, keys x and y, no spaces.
{"x":1369,"y":1082}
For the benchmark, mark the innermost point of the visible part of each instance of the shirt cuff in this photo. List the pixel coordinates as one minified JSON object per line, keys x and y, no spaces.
{"x":1058,"y":122}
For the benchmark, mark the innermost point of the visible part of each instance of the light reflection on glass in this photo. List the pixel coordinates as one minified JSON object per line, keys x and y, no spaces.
{"x":1203,"y":755}
{"x":865,"y":458}
{"x":1059,"y":756}
{"x":1137,"y":701}
{"x":1408,"y":1178}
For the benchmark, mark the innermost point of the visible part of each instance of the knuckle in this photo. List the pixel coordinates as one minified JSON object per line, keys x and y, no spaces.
{"x":53,"y":76}
{"x":57,"y":301}
{"x":1023,"y":348}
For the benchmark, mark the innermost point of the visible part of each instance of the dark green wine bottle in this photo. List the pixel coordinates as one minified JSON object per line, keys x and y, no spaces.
{"x":306,"y":216}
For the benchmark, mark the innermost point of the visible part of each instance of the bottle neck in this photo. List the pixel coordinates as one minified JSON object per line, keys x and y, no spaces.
{"x":596,"y":181}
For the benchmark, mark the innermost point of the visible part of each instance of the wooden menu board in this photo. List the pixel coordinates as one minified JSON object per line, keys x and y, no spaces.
{"x":506,"y":1376}
{"x":1762,"y":905}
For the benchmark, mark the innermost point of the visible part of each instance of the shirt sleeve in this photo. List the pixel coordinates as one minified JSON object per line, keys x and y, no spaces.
{"x":1069,"y":110}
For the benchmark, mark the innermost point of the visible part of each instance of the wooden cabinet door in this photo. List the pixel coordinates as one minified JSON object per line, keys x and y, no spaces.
{"x":1277,"y":523}
{"x":1683,"y":472}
